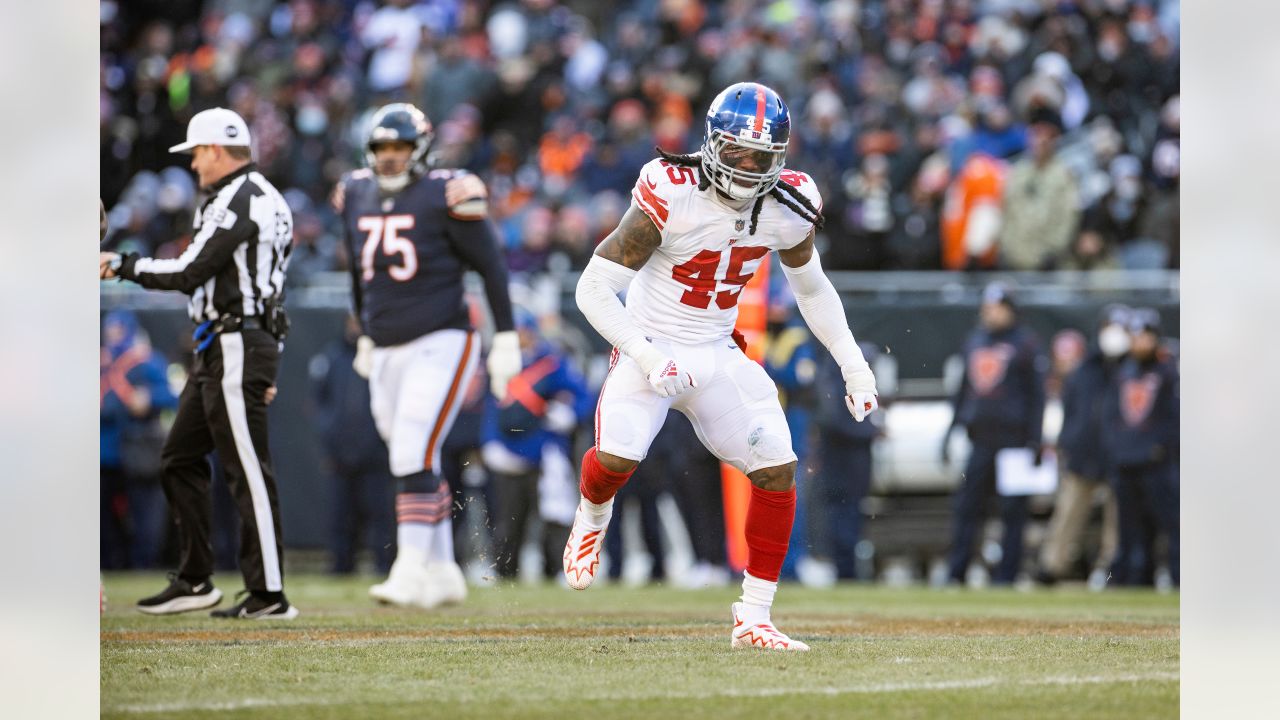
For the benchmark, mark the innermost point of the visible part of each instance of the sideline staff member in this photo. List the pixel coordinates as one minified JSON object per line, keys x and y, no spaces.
{"x":234,"y":272}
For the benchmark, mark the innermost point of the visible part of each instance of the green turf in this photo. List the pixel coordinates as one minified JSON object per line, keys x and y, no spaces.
{"x":648,"y":652}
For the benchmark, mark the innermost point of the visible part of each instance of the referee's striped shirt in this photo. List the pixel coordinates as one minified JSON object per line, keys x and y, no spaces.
{"x":238,"y":257}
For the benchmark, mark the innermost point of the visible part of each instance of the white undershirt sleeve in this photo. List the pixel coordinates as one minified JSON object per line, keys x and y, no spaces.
{"x":597,"y":297}
{"x":820,"y":306}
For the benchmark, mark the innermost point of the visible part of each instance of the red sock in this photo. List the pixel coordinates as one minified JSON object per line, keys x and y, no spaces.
{"x":769,"y":518}
{"x":599,"y":484}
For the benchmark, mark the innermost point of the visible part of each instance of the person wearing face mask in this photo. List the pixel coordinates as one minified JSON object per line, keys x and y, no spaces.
{"x":1141,"y":427}
{"x":1084,"y":467}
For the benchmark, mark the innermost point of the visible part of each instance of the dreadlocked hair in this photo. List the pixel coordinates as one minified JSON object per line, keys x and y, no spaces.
{"x":788,"y":196}
{"x":804,"y":208}
{"x":692,"y":161}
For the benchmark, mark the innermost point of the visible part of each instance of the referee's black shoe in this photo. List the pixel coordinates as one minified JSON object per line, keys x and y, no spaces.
{"x":181,"y":596}
{"x":256,"y":607}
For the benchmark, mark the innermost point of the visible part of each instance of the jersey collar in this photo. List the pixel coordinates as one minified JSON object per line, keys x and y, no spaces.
{"x":243,"y":170}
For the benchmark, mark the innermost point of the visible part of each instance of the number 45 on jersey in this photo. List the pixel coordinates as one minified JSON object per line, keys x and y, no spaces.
{"x":700,"y":275}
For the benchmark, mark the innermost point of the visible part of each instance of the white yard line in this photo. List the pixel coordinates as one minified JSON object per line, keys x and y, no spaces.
{"x":873,"y":688}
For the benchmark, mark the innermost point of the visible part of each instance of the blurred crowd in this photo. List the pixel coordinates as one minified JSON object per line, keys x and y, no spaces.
{"x":944,"y":134}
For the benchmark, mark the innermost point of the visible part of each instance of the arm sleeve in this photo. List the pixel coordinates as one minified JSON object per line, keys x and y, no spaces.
{"x":357,"y":298}
{"x":221,"y":232}
{"x":1172,"y":435}
{"x":597,"y":297}
{"x":957,"y":400}
{"x":353,"y":252}
{"x":477,"y":245}
{"x":822,"y":310}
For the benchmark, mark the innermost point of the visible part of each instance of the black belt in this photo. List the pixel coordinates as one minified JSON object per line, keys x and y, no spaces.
{"x":232,"y":323}
{"x":210,"y":329}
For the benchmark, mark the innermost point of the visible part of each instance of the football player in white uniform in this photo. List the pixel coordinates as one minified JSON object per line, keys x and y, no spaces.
{"x":697,"y":229}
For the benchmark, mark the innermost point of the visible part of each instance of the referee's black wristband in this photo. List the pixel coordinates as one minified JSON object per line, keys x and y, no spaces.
{"x":127,"y":261}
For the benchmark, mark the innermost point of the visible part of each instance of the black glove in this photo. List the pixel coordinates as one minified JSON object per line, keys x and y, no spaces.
{"x":1037,"y":453}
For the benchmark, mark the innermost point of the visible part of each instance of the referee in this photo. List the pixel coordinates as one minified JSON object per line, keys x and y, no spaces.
{"x":234,"y":272}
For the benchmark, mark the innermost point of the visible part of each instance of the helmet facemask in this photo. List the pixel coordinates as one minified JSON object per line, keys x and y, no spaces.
{"x":744,"y":167}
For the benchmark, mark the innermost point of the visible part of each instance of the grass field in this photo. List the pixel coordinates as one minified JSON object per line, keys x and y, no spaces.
{"x":517,"y":652}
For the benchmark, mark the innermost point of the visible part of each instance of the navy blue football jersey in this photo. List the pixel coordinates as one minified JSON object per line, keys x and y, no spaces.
{"x":409,"y":252}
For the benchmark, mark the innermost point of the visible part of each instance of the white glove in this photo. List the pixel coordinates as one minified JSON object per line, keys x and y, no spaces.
{"x":860,"y":390}
{"x":668,"y":380}
{"x":560,"y":418}
{"x":363,"y":362}
{"x":504,"y":361}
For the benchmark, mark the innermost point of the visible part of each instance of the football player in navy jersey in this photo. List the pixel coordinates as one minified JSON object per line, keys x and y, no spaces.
{"x":412,"y":232}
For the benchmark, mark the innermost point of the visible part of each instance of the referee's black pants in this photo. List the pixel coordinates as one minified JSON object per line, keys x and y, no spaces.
{"x":223,"y":407}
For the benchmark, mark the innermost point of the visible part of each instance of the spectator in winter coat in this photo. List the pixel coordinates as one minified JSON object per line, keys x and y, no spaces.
{"x":1141,"y":426}
{"x":1085,"y":469}
{"x":1001,"y":405}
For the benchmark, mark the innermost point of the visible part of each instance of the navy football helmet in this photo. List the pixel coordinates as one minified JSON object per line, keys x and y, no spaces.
{"x":399,"y":122}
{"x":745,"y":146}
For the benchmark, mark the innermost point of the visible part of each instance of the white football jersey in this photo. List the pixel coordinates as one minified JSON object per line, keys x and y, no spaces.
{"x":688,"y":290}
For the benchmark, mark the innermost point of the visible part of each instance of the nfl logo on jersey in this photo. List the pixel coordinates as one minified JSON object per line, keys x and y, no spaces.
{"x":739,"y":224}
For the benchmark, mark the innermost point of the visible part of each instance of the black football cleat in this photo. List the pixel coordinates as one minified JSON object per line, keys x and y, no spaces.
{"x":181,"y":596}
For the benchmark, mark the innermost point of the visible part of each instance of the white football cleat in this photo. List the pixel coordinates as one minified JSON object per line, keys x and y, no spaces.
{"x":752,"y":629}
{"x":406,"y":584}
{"x":445,"y":585}
{"x":582,"y":553}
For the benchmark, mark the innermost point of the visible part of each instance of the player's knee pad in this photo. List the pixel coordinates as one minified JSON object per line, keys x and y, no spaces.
{"x":768,"y":448}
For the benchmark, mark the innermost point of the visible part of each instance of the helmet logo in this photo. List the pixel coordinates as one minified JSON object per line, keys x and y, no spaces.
{"x":384,"y":133}
{"x":756,"y":137}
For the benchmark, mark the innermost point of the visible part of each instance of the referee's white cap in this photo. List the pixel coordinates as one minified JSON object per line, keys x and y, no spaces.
{"x":215,"y":126}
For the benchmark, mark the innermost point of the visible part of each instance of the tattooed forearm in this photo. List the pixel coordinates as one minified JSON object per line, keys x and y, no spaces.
{"x":632,"y":242}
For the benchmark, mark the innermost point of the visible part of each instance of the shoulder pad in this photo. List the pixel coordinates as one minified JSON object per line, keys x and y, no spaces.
{"x":658,"y":183}
{"x":470,"y":197}
{"x":803,"y":183}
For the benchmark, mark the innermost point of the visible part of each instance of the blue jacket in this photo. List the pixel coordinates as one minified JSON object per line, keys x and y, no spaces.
{"x":122,"y":372}
{"x":1001,"y":398}
{"x":517,"y":421}
{"x":1084,"y":395}
{"x":1142,"y":413}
